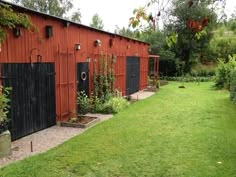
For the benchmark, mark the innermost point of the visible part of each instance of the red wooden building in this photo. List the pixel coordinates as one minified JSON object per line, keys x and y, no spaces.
{"x":44,"y":67}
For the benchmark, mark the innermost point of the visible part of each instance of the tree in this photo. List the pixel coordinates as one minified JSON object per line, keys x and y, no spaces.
{"x":158,"y":45}
{"x":223,"y":42}
{"x":193,"y":26}
{"x":10,"y":19}
{"x":189,"y":26}
{"x":127,"y":32}
{"x":76,"y":16}
{"x":97,"y":22}
{"x":53,"y":7}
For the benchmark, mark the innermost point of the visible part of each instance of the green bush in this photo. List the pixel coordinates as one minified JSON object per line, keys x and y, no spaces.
{"x":114,"y":105}
{"x":223,"y":70}
{"x":203,"y":73}
{"x":233,"y":86}
{"x":83,"y":103}
{"x":96,"y":104}
{"x":4,"y":107}
{"x":189,"y":79}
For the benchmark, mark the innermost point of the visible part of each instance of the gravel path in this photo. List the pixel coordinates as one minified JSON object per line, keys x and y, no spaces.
{"x":141,"y":95}
{"x":43,"y":141}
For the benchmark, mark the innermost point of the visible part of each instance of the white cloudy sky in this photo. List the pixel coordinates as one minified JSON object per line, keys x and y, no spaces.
{"x":112,"y":12}
{"x":118,"y":12}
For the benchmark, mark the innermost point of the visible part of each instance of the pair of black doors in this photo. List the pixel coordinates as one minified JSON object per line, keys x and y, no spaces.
{"x":32,"y":106}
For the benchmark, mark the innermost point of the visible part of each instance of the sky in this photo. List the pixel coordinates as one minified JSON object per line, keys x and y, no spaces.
{"x":112,"y":12}
{"x":118,"y":12}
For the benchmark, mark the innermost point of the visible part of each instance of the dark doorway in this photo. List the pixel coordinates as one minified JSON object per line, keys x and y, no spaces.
{"x":83,"y":77}
{"x":132,"y":74}
{"x":32,"y":97}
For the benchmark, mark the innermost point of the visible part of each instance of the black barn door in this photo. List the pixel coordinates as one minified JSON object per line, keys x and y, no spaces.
{"x":83,"y":77}
{"x":132,"y":74}
{"x":32,"y":97}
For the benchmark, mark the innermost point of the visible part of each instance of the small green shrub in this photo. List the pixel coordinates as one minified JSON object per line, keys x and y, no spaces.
{"x":4,"y":108}
{"x":222,"y":79}
{"x":83,"y":103}
{"x":158,"y":84}
{"x":114,"y":105}
{"x":202,"y":73}
{"x":96,"y":104}
{"x":189,"y":79}
{"x":233,"y":86}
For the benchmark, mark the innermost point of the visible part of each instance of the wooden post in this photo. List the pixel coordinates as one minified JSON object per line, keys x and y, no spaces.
{"x":155,"y":72}
{"x":31,"y":146}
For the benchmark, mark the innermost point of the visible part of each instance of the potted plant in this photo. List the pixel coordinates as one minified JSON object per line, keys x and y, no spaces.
{"x":5,"y":136}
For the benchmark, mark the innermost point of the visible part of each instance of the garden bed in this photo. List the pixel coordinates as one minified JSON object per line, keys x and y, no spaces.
{"x":81,"y":122}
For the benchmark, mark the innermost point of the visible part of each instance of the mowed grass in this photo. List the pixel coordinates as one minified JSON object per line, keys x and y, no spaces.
{"x":177,"y":132}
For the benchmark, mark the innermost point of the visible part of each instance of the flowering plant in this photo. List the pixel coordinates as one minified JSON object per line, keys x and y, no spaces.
{"x":4,"y":108}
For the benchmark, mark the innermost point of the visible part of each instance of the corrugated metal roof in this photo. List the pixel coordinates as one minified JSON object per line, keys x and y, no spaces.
{"x":66,"y":20}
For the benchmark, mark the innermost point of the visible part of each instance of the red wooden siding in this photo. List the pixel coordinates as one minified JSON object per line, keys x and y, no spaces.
{"x":60,"y":49}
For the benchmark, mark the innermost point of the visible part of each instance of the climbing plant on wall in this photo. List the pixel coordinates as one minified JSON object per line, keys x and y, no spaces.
{"x":4,"y":108}
{"x":10,"y":19}
{"x":103,"y":77}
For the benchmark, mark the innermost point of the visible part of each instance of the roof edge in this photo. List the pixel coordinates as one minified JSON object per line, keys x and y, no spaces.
{"x":63,"y":19}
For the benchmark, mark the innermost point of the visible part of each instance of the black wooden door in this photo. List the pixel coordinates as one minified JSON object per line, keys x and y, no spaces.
{"x":83,"y":77}
{"x":32,"y":97}
{"x":132,"y":74}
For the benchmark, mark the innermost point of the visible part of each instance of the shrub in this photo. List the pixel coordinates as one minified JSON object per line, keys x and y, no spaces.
{"x":202,"y":73}
{"x":114,"y":105}
{"x":96,"y":104}
{"x":222,"y":79}
{"x":83,"y":103}
{"x":233,"y":86}
{"x":190,"y":79}
{"x":4,"y":107}
{"x":10,"y":19}
{"x":103,"y":78}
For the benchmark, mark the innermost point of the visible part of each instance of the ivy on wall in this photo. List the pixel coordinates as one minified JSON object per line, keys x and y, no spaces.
{"x":10,"y":19}
{"x":103,"y":77}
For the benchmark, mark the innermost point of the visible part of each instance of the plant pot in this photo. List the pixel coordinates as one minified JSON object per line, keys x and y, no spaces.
{"x":5,"y":144}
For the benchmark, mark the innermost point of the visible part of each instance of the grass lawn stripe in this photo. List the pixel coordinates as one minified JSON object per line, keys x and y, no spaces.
{"x":176,"y":132}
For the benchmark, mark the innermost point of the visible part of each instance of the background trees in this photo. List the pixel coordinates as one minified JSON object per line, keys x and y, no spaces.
{"x":127,"y":32}
{"x":191,"y":30}
{"x":223,"y":42}
{"x":53,"y":7}
{"x":59,"y":8}
{"x":76,"y":16}
{"x":97,"y":22}
{"x":193,"y":26}
{"x":158,"y":45}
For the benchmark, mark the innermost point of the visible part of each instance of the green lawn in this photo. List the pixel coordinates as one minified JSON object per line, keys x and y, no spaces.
{"x":177,"y":132}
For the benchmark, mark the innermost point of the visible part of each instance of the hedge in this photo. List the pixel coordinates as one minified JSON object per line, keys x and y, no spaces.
{"x":188,"y":79}
{"x":233,"y":86}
